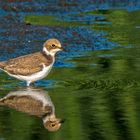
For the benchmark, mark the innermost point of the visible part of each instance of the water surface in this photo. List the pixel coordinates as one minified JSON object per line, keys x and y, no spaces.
{"x":94,"y":85}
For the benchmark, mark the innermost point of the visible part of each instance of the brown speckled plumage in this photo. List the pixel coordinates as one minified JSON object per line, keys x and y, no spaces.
{"x":26,"y":65}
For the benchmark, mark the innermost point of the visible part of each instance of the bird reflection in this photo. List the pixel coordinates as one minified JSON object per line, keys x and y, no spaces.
{"x":34,"y":102}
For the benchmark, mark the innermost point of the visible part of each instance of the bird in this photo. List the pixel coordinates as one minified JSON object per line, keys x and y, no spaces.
{"x":34,"y":66}
{"x":34,"y":102}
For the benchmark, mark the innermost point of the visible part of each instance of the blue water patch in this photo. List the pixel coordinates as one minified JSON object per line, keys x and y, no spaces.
{"x":45,"y":83}
{"x":2,"y":12}
{"x":76,"y":40}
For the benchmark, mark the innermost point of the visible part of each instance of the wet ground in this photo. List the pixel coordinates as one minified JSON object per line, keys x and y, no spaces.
{"x":94,"y":85}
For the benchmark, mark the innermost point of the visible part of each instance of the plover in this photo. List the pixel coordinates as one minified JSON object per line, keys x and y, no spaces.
{"x":33,"y":102}
{"x":35,"y":66}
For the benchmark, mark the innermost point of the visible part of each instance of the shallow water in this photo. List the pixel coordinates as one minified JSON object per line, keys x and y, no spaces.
{"x":94,"y":85}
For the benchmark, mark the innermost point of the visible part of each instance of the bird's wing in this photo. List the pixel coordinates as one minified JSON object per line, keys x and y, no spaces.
{"x":27,"y":104}
{"x":26,"y":65}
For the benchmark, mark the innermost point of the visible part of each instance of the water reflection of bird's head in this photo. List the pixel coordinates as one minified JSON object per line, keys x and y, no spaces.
{"x":52,"y":123}
{"x":34,"y":102}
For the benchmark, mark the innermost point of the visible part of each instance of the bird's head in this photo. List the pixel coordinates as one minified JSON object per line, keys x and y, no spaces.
{"x":52,"y":46}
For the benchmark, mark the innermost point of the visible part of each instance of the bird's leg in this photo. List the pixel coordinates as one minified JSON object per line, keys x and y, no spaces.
{"x":28,"y":83}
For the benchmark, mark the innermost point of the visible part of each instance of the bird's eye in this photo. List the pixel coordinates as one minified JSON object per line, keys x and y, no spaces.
{"x":53,"y":46}
{"x":53,"y":125}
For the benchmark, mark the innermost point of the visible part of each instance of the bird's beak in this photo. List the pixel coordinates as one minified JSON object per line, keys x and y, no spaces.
{"x":63,"y":49}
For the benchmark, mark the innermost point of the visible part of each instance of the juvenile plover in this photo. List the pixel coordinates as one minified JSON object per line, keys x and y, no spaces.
{"x":35,"y":66}
{"x":34,"y":102}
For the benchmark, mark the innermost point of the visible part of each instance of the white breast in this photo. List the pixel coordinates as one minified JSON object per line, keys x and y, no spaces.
{"x":34,"y":77}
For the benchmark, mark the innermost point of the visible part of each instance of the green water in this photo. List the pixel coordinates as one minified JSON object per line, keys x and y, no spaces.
{"x":99,"y":97}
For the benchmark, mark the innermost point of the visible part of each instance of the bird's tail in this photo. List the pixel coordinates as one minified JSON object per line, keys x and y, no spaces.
{"x":2,"y":65}
{"x":2,"y":101}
